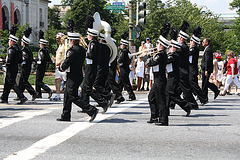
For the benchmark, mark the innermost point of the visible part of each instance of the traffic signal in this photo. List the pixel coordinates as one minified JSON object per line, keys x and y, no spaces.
{"x":141,"y":13}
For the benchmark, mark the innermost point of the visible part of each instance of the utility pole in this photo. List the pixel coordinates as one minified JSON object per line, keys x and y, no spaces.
{"x":131,"y":24}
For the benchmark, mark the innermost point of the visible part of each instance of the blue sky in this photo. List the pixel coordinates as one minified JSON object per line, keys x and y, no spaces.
{"x":217,"y":6}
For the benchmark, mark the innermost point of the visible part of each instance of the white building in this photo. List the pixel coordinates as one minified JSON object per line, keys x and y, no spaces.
{"x":34,"y":12}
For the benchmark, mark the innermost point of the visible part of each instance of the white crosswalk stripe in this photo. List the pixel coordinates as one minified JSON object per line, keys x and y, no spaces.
{"x":55,"y":139}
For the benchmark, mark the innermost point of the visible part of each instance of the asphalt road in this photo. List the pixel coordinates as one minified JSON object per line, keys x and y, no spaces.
{"x":31,"y":131}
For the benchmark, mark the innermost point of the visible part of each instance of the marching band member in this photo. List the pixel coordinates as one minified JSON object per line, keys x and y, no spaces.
{"x":184,"y":66}
{"x":14,"y":57}
{"x":92,"y":56}
{"x":173,"y":62}
{"x":124,"y":61}
{"x":73,"y":65}
{"x":102,"y":70}
{"x":27,"y":56}
{"x":156,"y":96}
{"x":43,"y":58}
{"x":193,"y":65}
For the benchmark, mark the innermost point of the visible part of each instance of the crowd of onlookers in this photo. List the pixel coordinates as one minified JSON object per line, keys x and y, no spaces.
{"x":142,"y":76}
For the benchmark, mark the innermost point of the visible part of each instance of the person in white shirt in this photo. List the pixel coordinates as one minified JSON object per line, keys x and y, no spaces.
{"x":59,"y":76}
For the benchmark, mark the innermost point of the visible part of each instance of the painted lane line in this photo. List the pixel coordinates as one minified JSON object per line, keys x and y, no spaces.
{"x":55,"y":139}
{"x":21,"y":116}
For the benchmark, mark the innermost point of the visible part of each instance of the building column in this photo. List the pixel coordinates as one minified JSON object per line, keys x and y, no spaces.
{"x":12,"y":13}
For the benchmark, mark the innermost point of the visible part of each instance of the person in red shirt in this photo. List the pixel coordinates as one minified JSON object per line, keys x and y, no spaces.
{"x":232,"y":72}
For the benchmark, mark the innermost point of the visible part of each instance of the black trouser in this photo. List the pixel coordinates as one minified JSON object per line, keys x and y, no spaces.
{"x":113,"y":85}
{"x":186,"y":90}
{"x":172,"y":94}
{"x":146,"y":79}
{"x":23,"y":82}
{"x":124,"y":82}
{"x":206,"y":84}
{"x":71,"y":96}
{"x":157,"y":100}
{"x":39,"y":81}
{"x":10,"y":83}
{"x":193,"y":79}
{"x":87,"y":90}
{"x":100,"y":81}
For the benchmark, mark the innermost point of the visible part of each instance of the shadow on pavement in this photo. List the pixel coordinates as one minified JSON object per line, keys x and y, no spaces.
{"x":19,"y":109}
{"x":132,"y":113}
{"x":117,"y":121}
{"x":197,"y":125}
{"x":207,"y":115}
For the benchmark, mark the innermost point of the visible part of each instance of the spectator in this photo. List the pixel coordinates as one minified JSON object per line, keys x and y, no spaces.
{"x":139,"y":71}
{"x":232,"y":72}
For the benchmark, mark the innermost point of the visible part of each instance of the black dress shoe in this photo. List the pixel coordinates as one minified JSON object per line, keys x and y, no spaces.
{"x":38,"y":96}
{"x":120,"y":100}
{"x":50,"y":94}
{"x":93,"y":116}
{"x":216,"y":94}
{"x":161,"y":124}
{"x":22,"y":101}
{"x":61,"y":119}
{"x":112,"y":99}
{"x":153,"y":120}
{"x":105,"y":108}
{"x":34,"y":96}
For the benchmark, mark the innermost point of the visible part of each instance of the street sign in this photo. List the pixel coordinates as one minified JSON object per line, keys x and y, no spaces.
{"x":115,"y":7}
{"x":117,"y":3}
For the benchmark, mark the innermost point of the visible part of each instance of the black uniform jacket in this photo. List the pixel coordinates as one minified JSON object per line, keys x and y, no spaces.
{"x":184,"y":60}
{"x":43,"y":58}
{"x":124,"y":60}
{"x":93,"y":51}
{"x":207,"y":60}
{"x":14,"y":57}
{"x":193,"y":67}
{"x":103,"y":60}
{"x":27,"y":57}
{"x":158,"y":62}
{"x":74,"y":59}
{"x":173,"y":58}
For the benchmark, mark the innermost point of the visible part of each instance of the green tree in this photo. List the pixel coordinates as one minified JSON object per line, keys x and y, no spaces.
{"x":5,"y":35}
{"x":81,"y":8}
{"x":175,"y":11}
{"x":53,"y":18}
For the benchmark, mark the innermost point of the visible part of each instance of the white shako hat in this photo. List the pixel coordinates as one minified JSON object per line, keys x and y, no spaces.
{"x":43,"y":41}
{"x":163,"y":41}
{"x":92,"y":32}
{"x":125,"y":42}
{"x":183,"y":29}
{"x":25,"y":40}
{"x":197,"y":32}
{"x":183,"y":34}
{"x":175,"y":44}
{"x":73,"y":35}
{"x":195,"y":39}
{"x":13,"y":38}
